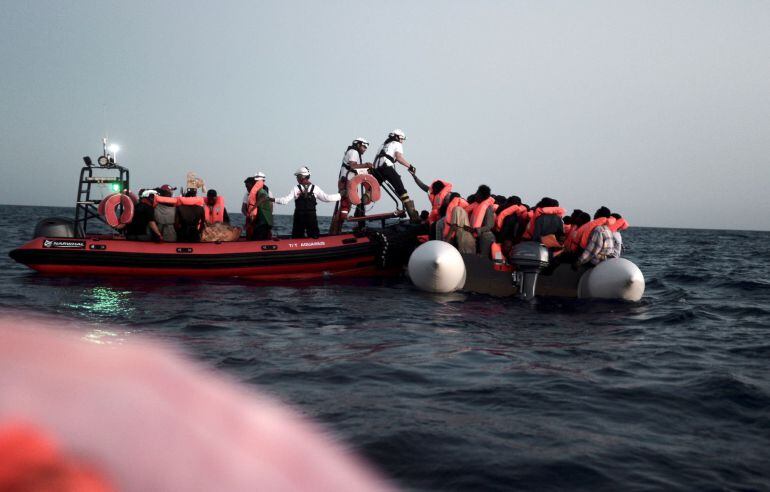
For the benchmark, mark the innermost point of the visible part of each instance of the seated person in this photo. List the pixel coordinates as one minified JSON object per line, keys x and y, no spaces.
{"x":190,"y":220}
{"x":600,"y":247}
{"x":481,"y":213}
{"x":165,"y":214}
{"x":513,"y":226}
{"x":143,"y":226}
{"x":548,"y":221}
{"x":214,"y":208}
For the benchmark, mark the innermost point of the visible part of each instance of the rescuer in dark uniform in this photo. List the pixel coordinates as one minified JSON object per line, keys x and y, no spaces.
{"x":305,"y":196}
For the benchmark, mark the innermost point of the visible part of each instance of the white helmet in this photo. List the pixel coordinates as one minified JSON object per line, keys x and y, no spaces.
{"x":260,"y":175}
{"x":303,"y":171}
{"x":148,"y":193}
{"x":398,"y":133}
{"x":361,"y":140}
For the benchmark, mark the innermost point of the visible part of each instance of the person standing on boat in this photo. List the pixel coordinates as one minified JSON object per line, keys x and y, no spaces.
{"x":305,"y":196}
{"x":260,"y":213}
{"x":352,"y":166}
{"x":391,"y":152}
{"x":249,"y":183}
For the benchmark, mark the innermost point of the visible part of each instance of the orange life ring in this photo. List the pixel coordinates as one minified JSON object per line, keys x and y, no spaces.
{"x":108,"y":209}
{"x":368,"y":181}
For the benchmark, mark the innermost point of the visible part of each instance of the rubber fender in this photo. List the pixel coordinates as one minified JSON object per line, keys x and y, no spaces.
{"x":616,"y":278}
{"x":108,"y":209}
{"x":368,"y":181}
{"x":437,"y":267}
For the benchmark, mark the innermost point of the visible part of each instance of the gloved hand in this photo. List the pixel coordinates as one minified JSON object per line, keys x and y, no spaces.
{"x":412,"y":169}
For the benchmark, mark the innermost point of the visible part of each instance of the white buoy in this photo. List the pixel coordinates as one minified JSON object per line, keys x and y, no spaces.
{"x":616,"y":278}
{"x":436,"y":266}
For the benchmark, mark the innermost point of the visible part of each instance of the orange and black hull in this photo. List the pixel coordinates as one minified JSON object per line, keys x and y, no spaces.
{"x":346,"y":255}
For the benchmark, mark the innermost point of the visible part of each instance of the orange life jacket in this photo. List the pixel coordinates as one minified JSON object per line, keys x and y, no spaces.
{"x":513,"y":209}
{"x":252,"y":207}
{"x":215,"y":213}
{"x":584,"y":233}
{"x":456,"y":202}
{"x":619,"y":225}
{"x":572,"y":242}
{"x":537,"y":213}
{"x":496,"y":253}
{"x":437,"y":199}
{"x":476,"y":216}
{"x":167,"y":200}
{"x":191,"y":200}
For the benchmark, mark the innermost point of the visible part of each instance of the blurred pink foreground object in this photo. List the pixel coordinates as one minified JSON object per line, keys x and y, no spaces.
{"x":149,"y":420}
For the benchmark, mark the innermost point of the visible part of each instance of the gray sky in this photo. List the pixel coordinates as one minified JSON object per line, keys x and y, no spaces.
{"x":659,"y":110}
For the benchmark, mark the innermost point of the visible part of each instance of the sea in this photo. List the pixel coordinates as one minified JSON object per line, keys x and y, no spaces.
{"x":470,"y":392}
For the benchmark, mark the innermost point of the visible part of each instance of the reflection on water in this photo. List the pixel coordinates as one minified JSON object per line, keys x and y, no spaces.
{"x":106,"y":301}
{"x":104,"y":337}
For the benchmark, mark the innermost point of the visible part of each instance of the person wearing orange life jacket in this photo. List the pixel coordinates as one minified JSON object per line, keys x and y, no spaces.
{"x":214,"y":208}
{"x":602,"y":217}
{"x":444,"y":223}
{"x":509,"y":224}
{"x":190,"y":217}
{"x":619,"y":225}
{"x":456,"y":229}
{"x":595,"y":239}
{"x":578,"y":219}
{"x":439,"y":192}
{"x":547,"y":221}
{"x":259,"y":210}
{"x":482,"y":219}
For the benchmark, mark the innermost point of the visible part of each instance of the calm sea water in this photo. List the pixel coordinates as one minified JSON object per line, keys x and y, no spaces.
{"x":468,"y":392}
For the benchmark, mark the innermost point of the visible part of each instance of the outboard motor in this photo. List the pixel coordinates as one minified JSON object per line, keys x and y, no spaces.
{"x":56,"y":227}
{"x":529,"y":258}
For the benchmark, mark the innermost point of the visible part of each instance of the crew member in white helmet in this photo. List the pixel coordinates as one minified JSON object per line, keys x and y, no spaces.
{"x":352,"y":165}
{"x":249,"y":182}
{"x":305,"y":196}
{"x":391,"y":152}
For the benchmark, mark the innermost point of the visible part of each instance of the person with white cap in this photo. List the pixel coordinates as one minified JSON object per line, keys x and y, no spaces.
{"x":352,"y":165}
{"x":260,"y":210}
{"x":391,"y":152}
{"x":305,"y":196}
{"x":143,"y":226}
{"x":249,"y":182}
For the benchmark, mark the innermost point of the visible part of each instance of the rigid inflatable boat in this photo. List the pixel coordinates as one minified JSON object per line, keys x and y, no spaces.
{"x":438,"y":267}
{"x":376,"y":253}
{"x":63,"y":246}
